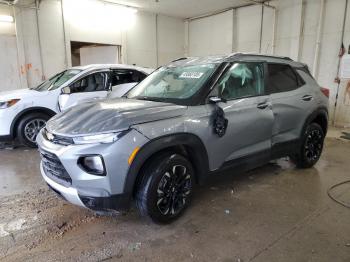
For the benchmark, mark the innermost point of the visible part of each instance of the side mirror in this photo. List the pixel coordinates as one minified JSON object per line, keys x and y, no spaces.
{"x":66,"y":90}
{"x":215,"y":99}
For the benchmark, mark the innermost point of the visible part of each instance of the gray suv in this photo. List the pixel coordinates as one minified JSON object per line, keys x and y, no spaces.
{"x":183,"y":123}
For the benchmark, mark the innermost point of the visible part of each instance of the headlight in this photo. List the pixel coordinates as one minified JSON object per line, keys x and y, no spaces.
{"x":8,"y":103}
{"x":96,"y":139}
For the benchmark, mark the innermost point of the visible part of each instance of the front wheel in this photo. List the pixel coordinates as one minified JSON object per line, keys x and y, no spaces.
{"x":29,"y":127}
{"x":311,"y":146}
{"x":165,"y":189}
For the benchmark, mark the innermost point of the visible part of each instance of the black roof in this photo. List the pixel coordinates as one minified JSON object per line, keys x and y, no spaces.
{"x":234,"y":57}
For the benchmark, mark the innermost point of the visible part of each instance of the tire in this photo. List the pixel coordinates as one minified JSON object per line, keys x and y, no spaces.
{"x":29,"y":127}
{"x":311,"y":146}
{"x":160,"y":196}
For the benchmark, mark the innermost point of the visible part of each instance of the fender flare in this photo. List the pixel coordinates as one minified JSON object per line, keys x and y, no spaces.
{"x":320,"y":111}
{"x":195,"y":148}
{"x":36,"y":109}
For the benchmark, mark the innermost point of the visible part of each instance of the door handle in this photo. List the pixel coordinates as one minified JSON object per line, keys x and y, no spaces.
{"x":307,"y":97}
{"x":262,"y":105}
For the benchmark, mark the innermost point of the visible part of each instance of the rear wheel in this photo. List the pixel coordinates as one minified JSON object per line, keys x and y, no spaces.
{"x":166,"y":188}
{"x":311,"y":146}
{"x":29,"y":127}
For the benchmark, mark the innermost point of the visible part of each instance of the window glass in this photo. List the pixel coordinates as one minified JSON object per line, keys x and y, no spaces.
{"x":173,"y":83}
{"x":138,"y":76}
{"x":282,"y":79}
{"x":57,"y":80}
{"x":119,"y":77}
{"x":90,"y":83}
{"x":242,"y":80}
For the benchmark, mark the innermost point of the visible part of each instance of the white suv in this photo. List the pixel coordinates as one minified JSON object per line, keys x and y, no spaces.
{"x":24,"y":112}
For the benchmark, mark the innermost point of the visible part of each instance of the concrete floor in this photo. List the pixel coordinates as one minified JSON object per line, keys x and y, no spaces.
{"x":274,"y":213}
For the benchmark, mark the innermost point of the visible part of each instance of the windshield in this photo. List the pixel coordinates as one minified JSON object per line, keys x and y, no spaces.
{"x":173,"y":84}
{"x":57,"y":80}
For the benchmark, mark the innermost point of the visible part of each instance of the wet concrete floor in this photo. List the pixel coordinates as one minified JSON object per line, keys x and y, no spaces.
{"x":274,"y":213}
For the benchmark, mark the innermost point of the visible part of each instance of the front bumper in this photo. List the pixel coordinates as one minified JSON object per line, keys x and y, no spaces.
{"x":116,"y":202}
{"x":68,"y":193}
{"x":87,"y":190}
{"x":6,"y":118}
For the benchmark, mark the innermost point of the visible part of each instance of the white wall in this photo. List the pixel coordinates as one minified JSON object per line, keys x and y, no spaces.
{"x":99,"y":55}
{"x":9,"y":73}
{"x":30,"y":63}
{"x":52,"y":37}
{"x":93,"y":21}
{"x":211,"y":35}
{"x":170,"y":34}
{"x":141,"y":41}
{"x":248,"y":26}
{"x":154,"y":40}
{"x":236,"y":30}
{"x":9,"y":70}
{"x":7,"y":28}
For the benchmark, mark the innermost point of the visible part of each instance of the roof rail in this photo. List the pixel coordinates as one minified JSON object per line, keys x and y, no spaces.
{"x":261,"y":55}
{"x":179,"y":59}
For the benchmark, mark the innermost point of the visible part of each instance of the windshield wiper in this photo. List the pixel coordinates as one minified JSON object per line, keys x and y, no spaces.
{"x":54,"y":82}
{"x":147,"y":98}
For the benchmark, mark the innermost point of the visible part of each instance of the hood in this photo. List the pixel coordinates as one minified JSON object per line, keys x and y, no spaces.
{"x":20,"y":93}
{"x":112,"y":115}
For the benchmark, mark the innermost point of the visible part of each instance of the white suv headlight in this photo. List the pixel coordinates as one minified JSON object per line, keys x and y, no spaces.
{"x":96,"y":139}
{"x":8,"y":103}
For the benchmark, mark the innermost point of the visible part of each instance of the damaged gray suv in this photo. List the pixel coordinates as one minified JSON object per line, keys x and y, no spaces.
{"x":183,"y":123}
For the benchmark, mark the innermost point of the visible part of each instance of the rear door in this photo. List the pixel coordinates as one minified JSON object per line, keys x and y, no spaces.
{"x":291,"y":102}
{"x":122,"y":80}
{"x":249,"y":114}
{"x":87,"y":88}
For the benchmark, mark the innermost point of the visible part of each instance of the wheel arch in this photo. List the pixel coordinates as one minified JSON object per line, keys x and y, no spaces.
{"x":319,"y":116}
{"x":188,"y":145}
{"x":26,"y":112}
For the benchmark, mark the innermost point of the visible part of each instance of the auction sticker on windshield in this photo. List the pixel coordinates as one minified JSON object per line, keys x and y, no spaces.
{"x":191,"y":75}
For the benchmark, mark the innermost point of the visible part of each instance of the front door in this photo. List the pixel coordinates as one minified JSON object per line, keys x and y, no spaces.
{"x":249,"y":114}
{"x":87,"y":88}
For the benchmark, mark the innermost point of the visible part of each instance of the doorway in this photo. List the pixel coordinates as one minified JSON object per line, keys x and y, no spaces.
{"x":84,"y":53}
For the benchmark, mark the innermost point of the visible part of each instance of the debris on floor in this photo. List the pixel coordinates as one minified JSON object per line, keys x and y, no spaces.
{"x":135,"y":246}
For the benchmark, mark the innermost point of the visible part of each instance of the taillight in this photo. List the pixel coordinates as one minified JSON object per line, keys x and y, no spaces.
{"x":325,"y":91}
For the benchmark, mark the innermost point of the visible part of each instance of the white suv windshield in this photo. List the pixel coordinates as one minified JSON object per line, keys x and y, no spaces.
{"x":57,"y":80}
{"x":173,"y":83}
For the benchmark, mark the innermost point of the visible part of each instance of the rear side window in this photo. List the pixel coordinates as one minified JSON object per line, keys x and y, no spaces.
{"x":282,"y":78}
{"x":122,"y":76}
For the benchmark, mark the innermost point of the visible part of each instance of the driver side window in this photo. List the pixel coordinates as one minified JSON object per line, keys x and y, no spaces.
{"x":91,"y":83}
{"x":242,"y":80}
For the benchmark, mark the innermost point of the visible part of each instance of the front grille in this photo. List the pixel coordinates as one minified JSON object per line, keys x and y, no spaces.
{"x":54,"y":169}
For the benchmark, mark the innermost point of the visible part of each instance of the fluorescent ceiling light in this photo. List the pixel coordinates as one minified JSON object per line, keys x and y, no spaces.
{"x":6,"y":18}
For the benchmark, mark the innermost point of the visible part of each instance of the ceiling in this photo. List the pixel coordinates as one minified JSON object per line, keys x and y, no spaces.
{"x":183,"y":8}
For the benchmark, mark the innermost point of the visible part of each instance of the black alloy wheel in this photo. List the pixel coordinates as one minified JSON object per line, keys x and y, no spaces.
{"x":165,"y":188}
{"x":311,"y":146}
{"x":173,"y":189}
